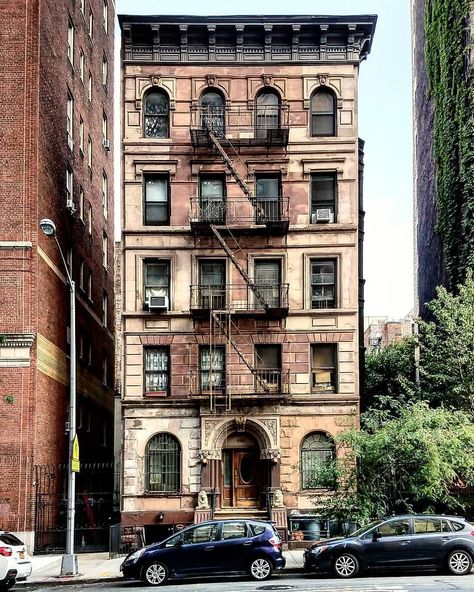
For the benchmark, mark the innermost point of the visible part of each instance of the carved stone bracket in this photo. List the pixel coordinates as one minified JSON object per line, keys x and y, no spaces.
{"x":267,"y":79}
{"x":211,"y":80}
{"x":270,"y":454}
{"x":206,"y":455}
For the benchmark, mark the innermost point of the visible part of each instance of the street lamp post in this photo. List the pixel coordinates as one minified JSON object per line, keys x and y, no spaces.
{"x":69,"y":560}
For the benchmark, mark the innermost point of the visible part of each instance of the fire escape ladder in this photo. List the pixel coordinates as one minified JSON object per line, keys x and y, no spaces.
{"x":258,"y":295}
{"x":260,"y":211}
{"x":228,"y":328}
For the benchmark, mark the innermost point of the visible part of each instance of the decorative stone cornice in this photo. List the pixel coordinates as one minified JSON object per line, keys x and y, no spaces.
{"x":17,"y":339}
{"x":249,"y":39}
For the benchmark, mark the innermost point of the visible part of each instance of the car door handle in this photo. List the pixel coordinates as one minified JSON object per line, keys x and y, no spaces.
{"x":405,"y":542}
{"x":248,"y":544}
{"x":210,"y":548}
{"x":445,"y":539}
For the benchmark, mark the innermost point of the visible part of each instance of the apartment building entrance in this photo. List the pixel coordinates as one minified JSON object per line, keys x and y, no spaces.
{"x":242,"y":472}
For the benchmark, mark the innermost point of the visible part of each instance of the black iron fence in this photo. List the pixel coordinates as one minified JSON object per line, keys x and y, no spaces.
{"x":94,"y":507}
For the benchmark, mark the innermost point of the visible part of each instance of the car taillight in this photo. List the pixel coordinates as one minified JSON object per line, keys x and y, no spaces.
{"x":275,"y":542}
{"x":6,"y":551}
{"x":472,"y":533}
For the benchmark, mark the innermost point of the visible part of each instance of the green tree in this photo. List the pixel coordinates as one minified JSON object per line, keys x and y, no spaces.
{"x":410,"y":463}
{"x":447,"y":349}
{"x":390,"y":378}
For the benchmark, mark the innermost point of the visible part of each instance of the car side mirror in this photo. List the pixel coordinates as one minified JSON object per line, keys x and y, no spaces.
{"x":179,"y":543}
{"x":376,"y":536}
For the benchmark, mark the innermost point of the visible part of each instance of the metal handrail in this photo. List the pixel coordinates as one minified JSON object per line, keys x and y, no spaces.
{"x":235,"y":210}
{"x":238,"y":297}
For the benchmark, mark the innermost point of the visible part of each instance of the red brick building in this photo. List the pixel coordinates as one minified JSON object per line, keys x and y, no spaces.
{"x":56,"y":161}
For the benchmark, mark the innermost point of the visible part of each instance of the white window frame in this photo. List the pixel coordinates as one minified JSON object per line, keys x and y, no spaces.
{"x":70,"y":120}
{"x":89,"y":220}
{"x":82,"y":61}
{"x":105,"y":311}
{"x":69,"y":184}
{"x":105,"y":194}
{"x":70,"y":41}
{"x":81,"y":135}
{"x":105,"y":249}
{"x":81,"y":203}
{"x":105,"y":16}
{"x":105,"y":71}
{"x":105,"y":126}
{"x":89,"y":87}
{"x":91,"y":24}
{"x":89,"y":152}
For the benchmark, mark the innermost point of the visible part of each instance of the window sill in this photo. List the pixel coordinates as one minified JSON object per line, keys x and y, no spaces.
{"x":160,"y":494}
{"x":153,"y":394}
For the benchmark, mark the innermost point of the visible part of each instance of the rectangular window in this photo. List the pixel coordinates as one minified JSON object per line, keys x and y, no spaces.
{"x":70,"y":120}
{"x":105,"y":258}
{"x":89,"y":285}
{"x":89,"y":153}
{"x":81,"y":5}
{"x":105,"y":194}
{"x":105,"y":71}
{"x":268,"y":281}
{"x":69,"y":188}
{"x":212,"y":198}
{"x":81,"y":203}
{"x":156,"y":196}
{"x":91,"y":23}
{"x":89,"y":88}
{"x":324,"y":368}
{"x":105,"y":15}
{"x":212,"y":288}
{"x":267,"y":193}
{"x":157,"y":370}
{"x":323,"y":284}
{"x":105,"y":127}
{"x":69,"y":260}
{"x":323,"y":198}
{"x":81,"y":275}
{"x":81,"y":135}
{"x":70,"y":41}
{"x":157,"y":282}
{"x":105,"y":309}
{"x":89,"y":220}
{"x":81,"y":64}
{"x":268,"y":367}
{"x":104,"y":371}
{"x":212,"y":367}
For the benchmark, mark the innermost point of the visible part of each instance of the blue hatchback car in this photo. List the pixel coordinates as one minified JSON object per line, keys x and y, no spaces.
{"x":214,"y":548}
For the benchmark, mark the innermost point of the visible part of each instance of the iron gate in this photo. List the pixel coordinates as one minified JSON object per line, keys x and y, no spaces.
{"x":94,"y":505}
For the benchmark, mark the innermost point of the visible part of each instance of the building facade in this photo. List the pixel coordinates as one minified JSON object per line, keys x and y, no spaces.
{"x":443,"y":170}
{"x":241,"y":260}
{"x":380,"y":331}
{"x":56,"y":117}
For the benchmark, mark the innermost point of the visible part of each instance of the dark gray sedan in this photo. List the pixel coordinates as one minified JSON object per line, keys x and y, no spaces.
{"x":411,"y":541}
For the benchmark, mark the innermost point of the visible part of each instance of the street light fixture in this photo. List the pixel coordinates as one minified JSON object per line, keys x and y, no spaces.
{"x":69,"y":560}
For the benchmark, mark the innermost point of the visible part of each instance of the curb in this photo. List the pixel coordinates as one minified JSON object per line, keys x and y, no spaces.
{"x":53,"y":582}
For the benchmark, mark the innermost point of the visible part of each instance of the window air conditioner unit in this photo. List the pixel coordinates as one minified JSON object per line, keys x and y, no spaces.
{"x":321,"y":215}
{"x":106,"y":143}
{"x":158,"y":303}
{"x":70,"y":205}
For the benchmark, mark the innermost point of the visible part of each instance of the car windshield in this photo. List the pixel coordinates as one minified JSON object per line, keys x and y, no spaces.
{"x":365,"y":529}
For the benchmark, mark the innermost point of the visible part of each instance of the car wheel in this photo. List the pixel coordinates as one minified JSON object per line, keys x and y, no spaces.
{"x":346,"y":566}
{"x":155,"y":574}
{"x":260,"y":569}
{"x":459,"y":562}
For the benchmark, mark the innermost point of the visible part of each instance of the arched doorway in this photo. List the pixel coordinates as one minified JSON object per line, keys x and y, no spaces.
{"x":242,"y":471}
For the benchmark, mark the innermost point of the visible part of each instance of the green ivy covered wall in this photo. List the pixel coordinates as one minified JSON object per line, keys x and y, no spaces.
{"x":449,"y":73}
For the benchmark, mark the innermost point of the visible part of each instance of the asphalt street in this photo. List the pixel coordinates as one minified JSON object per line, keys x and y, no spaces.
{"x":283,"y":583}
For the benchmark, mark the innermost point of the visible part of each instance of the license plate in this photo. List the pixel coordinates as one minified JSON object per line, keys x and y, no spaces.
{"x":21,"y":554}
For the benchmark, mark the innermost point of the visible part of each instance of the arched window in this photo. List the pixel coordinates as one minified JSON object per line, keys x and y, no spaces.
{"x":323,"y":113}
{"x":213,"y":112}
{"x":163,"y":464}
{"x":268,"y":111}
{"x":318,"y":455}
{"x":156,"y":110}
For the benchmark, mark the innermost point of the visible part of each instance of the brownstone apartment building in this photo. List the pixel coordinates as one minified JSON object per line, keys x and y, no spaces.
{"x":56,"y":121}
{"x":241,"y":266}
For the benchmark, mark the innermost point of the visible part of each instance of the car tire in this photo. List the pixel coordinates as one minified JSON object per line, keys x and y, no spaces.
{"x":459,"y":562}
{"x":346,"y":565}
{"x":155,"y":573}
{"x":260,"y":569}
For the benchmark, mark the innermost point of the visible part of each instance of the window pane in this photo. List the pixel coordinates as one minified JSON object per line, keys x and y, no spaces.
{"x":212,"y":273}
{"x":156,"y":200}
{"x":267,"y":356}
{"x":201,"y":534}
{"x":233,"y":530}
{"x":323,"y":125}
{"x":323,"y":188}
{"x":212,"y":187}
{"x":317,"y":461}
{"x":395,"y":528}
{"x":157,"y":279}
{"x":322,"y":102}
{"x":212,"y":367}
{"x":267,"y":186}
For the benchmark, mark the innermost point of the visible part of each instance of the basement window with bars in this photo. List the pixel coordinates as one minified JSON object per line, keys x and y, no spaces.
{"x":157,"y":370}
{"x":163,"y":464}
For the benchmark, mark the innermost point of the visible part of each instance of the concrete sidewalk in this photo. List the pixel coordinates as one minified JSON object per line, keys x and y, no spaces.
{"x":95,"y":567}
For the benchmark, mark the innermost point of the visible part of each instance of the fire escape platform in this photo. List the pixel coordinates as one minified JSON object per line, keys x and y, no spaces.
{"x":242,"y":138}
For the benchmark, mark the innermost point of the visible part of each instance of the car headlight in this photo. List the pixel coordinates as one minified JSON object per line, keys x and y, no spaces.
{"x":318,"y":550}
{"x":136,"y":555}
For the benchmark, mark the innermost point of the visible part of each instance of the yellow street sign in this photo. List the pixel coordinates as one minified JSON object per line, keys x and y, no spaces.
{"x":75,"y":464}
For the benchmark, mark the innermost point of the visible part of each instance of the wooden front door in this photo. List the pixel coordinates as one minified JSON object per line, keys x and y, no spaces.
{"x":241,"y":479}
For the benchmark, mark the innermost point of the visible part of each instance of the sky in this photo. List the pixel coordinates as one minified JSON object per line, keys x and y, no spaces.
{"x":384,"y":123}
